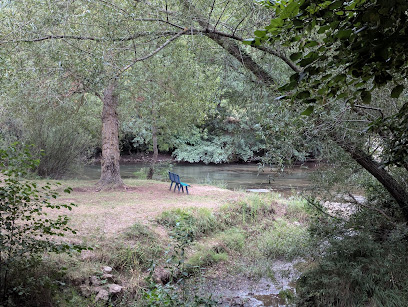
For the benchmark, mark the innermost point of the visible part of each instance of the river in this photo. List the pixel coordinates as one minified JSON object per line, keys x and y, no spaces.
{"x":231,"y":176}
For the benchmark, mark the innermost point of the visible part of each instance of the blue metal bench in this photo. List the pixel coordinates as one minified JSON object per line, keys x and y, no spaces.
{"x":174,"y":178}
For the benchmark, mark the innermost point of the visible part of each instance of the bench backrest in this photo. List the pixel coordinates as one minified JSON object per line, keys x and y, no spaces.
{"x":176,"y":178}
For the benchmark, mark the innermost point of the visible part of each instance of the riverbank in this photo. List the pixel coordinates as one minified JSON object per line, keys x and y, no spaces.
{"x":198,"y":244}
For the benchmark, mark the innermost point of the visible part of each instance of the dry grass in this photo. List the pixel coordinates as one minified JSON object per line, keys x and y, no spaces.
{"x":109,"y":213}
{"x":106,"y":222}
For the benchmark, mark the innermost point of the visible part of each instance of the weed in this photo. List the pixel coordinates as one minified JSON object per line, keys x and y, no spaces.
{"x":142,"y":173}
{"x":199,"y":221}
{"x":284,"y":241}
{"x":253,"y":209}
{"x":297,"y":209}
{"x":233,"y":238}
{"x":140,"y":232}
{"x":205,"y":257}
{"x":174,"y":293}
{"x":124,"y":256}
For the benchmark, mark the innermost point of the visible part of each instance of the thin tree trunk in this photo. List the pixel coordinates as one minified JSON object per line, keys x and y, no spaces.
{"x":154,"y":139}
{"x":374,"y":168}
{"x":110,"y":170}
{"x":155,"y":152}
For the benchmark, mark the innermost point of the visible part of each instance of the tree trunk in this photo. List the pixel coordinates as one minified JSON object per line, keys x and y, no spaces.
{"x":154,"y":139}
{"x":110,"y":170}
{"x":374,"y":168}
{"x":155,"y":152}
{"x":363,"y":159}
{"x":390,"y":184}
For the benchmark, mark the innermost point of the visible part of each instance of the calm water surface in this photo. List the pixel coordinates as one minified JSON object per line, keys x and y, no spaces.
{"x":231,"y":176}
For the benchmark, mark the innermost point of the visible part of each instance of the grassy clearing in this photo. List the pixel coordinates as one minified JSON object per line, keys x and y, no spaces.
{"x":144,"y":225}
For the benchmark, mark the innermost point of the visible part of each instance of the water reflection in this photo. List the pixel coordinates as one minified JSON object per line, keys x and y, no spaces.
{"x":232,"y":176}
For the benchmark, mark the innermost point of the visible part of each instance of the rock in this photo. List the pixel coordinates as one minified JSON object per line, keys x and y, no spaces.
{"x":108,"y":277}
{"x":107,"y":269}
{"x":94,"y":281}
{"x":102,"y":295}
{"x":114,"y":288}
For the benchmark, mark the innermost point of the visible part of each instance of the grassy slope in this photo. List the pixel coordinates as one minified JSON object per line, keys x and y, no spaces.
{"x":128,"y":229}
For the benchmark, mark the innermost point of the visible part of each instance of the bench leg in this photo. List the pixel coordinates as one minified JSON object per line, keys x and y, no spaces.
{"x":187,"y":190}
{"x":170,"y":186}
{"x":175,"y":186}
{"x":182,"y":189}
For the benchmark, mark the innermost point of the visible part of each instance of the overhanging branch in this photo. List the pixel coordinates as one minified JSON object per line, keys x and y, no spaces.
{"x":152,"y":53}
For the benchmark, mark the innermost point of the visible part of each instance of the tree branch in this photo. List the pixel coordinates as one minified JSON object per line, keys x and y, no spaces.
{"x":152,"y":53}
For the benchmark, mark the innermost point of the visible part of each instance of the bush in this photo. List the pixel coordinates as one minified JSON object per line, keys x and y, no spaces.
{"x":233,"y":238}
{"x":26,"y":231}
{"x":196,"y":222}
{"x":358,"y":271}
{"x":363,"y":260}
{"x":284,"y":240}
{"x":251,"y":210}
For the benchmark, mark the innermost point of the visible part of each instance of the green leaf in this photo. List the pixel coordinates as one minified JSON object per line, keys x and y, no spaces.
{"x":296,"y":56}
{"x":260,"y":33}
{"x":335,"y":5}
{"x":323,"y":29}
{"x":303,"y":95}
{"x":343,"y":34}
{"x":339,"y":78}
{"x":311,"y":44}
{"x":291,"y":10}
{"x":366,"y":96}
{"x":308,"y":111}
{"x":396,"y":91}
{"x":306,"y":62}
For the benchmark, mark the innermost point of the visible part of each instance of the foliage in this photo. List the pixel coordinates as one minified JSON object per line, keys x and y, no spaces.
{"x":141,"y":173}
{"x":26,"y":230}
{"x":357,"y":268}
{"x":233,"y":238}
{"x":205,"y":257}
{"x":195,"y":222}
{"x":174,"y":293}
{"x":284,"y":240}
{"x":342,"y":46}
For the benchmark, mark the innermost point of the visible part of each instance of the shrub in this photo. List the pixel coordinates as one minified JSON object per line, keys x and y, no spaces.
{"x":233,"y":238}
{"x":196,"y":222}
{"x":358,"y":271}
{"x":363,"y":259}
{"x":284,"y":240}
{"x":26,"y":230}
{"x":251,"y":210}
{"x":205,"y":257}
